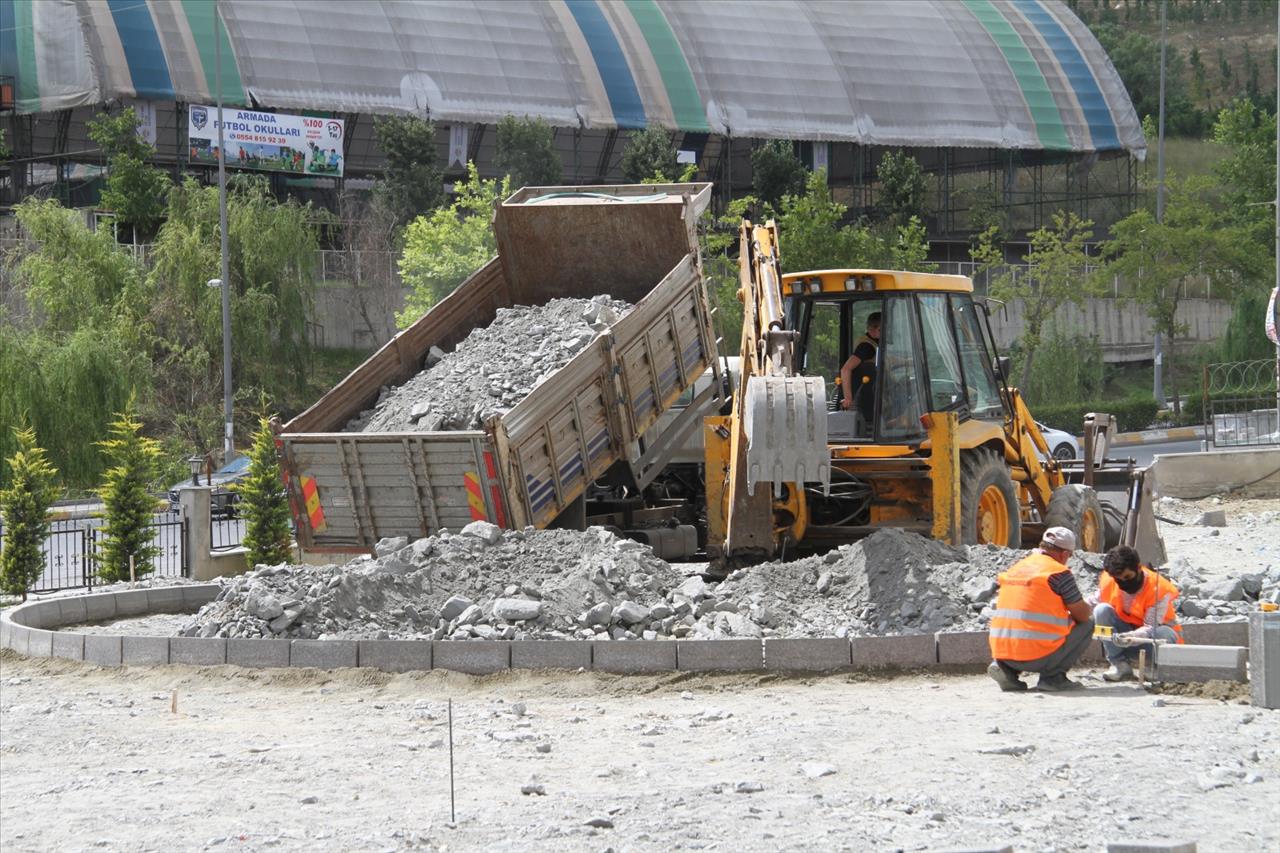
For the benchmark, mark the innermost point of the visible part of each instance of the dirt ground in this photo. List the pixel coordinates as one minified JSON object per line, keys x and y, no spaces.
{"x":358,"y":760}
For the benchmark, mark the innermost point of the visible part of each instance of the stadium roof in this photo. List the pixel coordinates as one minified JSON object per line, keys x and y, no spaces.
{"x":1022,"y":74}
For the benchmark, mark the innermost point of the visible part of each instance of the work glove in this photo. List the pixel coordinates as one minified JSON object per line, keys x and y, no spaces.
{"x":1143,"y":633}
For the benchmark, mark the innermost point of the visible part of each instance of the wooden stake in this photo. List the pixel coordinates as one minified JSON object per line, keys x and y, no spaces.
{"x":173,"y":702}
{"x":453,"y":817}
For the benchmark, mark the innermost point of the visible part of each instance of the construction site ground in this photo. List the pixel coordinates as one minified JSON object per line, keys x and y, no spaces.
{"x":178,"y":758}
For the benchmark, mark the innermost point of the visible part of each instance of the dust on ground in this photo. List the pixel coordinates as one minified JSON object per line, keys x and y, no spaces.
{"x":359,"y":760}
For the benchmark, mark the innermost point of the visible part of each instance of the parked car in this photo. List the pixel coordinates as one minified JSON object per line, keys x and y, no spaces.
{"x":222,"y":503}
{"x":1064,"y":445}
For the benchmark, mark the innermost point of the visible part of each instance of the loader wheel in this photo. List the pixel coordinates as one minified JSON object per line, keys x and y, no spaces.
{"x":988,"y":501}
{"x":1076,"y":507}
{"x":1113,"y":516}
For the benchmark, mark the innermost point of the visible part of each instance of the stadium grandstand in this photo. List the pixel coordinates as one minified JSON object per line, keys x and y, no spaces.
{"x":1013,"y":98}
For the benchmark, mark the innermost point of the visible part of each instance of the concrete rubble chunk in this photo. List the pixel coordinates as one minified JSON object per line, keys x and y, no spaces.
{"x":454,"y":607}
{"x":485,"y":531}
{"x":516,"y":609}
{"x":390,"y":545}
{"x":631,"y":613}
{"x":1213,"y":518}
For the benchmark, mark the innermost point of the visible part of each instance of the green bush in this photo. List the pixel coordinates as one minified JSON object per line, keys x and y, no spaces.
{"x":1132,"y":414}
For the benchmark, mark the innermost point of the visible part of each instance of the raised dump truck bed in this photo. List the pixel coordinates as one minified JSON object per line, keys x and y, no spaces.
{"x":600,"y":416}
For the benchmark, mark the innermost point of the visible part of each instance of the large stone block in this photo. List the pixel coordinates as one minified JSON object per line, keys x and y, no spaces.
{"x":551,"y":654}
{"x":1151,"y":847}
{"x":1264,"y":659}
{"x":102,"y":649}
{"x":907,"y":652}
{"x":1201,"y":663}
{"x":68,"y":645}
{"x":198,"y":651}
{"x":395,"y":655}
{"x":324,"y":654}
{"x":258,"y":653}
{"x":39,"y":643}
{"x":6,"y":628}
{"x":477,"y":657}
{"x":132,"y":602}
{"x":99,"y":607}
{"x":195,"y":596}
{"x":1216,"y":633}
{"x":166,"y":599}
{"x":71,"y":610}
{"x":633,"y":656}
{"x":964,"y":648}
{"x":720,"y":655}
{"x":145,"y":651}
{"x":807,"y":655}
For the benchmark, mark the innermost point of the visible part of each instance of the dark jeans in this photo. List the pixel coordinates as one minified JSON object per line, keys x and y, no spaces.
{"x":1058,"y":662}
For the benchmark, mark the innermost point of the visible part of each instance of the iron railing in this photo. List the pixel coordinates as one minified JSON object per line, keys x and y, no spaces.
{"x":1240,"y":403}
{"x":71,"y":548}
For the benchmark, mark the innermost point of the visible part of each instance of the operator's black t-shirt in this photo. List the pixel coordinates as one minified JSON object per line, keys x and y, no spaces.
{"x":864,"y":395}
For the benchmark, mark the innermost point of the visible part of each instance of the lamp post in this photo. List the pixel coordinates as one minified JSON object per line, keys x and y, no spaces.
{"x":195,"y":463}
{"x":228,"y":443}
{"x":1157,"y":353}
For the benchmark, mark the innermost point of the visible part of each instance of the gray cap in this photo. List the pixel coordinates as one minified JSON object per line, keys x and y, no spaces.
{"x":1060,"y":538}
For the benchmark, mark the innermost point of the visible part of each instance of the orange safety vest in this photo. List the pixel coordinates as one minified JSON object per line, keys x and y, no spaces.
{"x":1156,"y":589}
{"x":1030,"y":620}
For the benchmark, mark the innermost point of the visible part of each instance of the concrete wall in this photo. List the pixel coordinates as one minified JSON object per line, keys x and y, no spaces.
{"x":1254,"y":473}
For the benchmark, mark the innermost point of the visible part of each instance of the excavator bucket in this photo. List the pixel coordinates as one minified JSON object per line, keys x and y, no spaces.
{"x":785,"y":421}
{"x":1140,"y":529}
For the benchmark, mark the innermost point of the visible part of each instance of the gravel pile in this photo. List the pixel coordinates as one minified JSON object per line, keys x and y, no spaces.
{"x":487,"y":583}
{"x":493,"y":369}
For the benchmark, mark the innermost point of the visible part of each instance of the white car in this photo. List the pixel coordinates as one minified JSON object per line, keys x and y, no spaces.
{"x":1063,"y":445}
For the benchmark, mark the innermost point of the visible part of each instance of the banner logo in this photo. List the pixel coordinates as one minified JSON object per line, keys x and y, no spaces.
{"x":199,"y":117}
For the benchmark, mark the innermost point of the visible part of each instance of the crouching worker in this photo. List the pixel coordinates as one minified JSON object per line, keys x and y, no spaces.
{"x":1136,"y":604}
{"x":1041,"y":623}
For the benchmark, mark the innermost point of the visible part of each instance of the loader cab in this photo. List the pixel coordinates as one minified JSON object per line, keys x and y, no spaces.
{"x":934,"y":351}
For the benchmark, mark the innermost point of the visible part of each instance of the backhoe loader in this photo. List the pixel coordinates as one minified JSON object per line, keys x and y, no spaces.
{"x":932,"y":438}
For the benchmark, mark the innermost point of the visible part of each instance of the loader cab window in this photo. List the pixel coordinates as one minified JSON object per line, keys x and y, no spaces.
{"x":980,"y":381}
{"x":946,"y":382}
{"x":821,"y":332}
{"x":900,"y":405}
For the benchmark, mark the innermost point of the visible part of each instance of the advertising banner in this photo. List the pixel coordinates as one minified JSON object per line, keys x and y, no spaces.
{"x":274,"y":142}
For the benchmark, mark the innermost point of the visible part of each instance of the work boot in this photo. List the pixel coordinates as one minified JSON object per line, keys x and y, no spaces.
{"x":1006,"y":676}
{"x":1121,"y":670}
{"x":1057,"y":684}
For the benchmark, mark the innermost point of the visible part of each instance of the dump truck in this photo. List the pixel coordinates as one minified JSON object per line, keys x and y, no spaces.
{"x":932,"y":439}
{"x":590,"y":445}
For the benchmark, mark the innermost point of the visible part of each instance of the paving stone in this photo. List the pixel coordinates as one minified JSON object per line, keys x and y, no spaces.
{"x":1201,"y":663}
{"x":68,"y":645}
{"x":198,"y":651}
{"x":1151,"y":847}
{"x":258,"y":653}
{"x":324,"y":654}
{"x":633,"y":656}
{"x":720,"y":655}
{"x":145,"y":651}
{"x":195,"y":596}
{"x":71,"y":610}
{"x":807,"y":655}
{"x":1264,"y":659}
{"x":476,"y":657}
{"x":166,"y":599}
{"x":907,"y":652}
{"x":134,"y":602}
{"x":102,"y":649}
{"x":395,"y":655}
{"x":1216,"y":633}
{"x":18,"y":638}
{"x":551,"y":654}
{"x":99,"y":607}
{"x":39,"y":643}
{"x":960,"y":648}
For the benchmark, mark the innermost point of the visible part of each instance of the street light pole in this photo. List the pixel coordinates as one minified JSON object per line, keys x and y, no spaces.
{"x":1157,"y":350}
{"x":228,"y":430}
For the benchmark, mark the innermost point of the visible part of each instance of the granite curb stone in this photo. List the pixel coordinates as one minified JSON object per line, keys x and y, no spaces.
{"x":958,"y":648}
{"x":910,"y":651}
{"x":551,"y":654}
{"x":72,"y":611}
{"x":814,"y":654}
{"x":476,"y":657}
{"x":134,"y":602}
{"x":258,"y":653}
{"x":145,"y":651}
{"x":198,"y":651}
{"x":167,"y":599}
{"x":1216,"y":633}
{"x":99,"y":607}
{"x":633,"y":656}
{"x":68,"y":645}
{"x":39,"y":643}
{"x":102,"y":649}
{"x":323,"y":654}
{"x":395,"y":655}
{"x":720,"y":655}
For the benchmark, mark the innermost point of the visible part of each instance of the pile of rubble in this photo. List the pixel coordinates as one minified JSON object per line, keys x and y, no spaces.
{"x":493,"y":369}
{"x":487,"y":583}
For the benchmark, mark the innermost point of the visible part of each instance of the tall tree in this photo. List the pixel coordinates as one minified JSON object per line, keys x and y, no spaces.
{"x":650,"y":156}
{"x":263,"y":503}
{"x":526,"y":152}
{"x":903,"y":188}
{"x":442,"y":249}
{"x":776,"y":172}
{"x":24,"y":505}
{"x":1056,"y":274}
{"x":413,"y":183}
{"x":135,"y":190}
{"x":127,"y":500}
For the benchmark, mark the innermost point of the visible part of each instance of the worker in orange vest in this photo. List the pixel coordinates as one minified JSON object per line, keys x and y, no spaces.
{"x":1041,"y":622}
{"x":1135,"y":603}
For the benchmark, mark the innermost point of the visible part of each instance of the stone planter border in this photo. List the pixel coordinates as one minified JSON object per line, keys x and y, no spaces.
{"x":30,"y":629}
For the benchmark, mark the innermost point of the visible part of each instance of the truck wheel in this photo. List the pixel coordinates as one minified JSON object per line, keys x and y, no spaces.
{"x":989,"y":512}
{"x":1076,"y":507}
{"x":1113,"y":516}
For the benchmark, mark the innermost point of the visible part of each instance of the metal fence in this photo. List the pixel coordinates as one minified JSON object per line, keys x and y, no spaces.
{"x":225,"y":532}
{"x":1240,"y":403}
{"x":70,"y":551}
